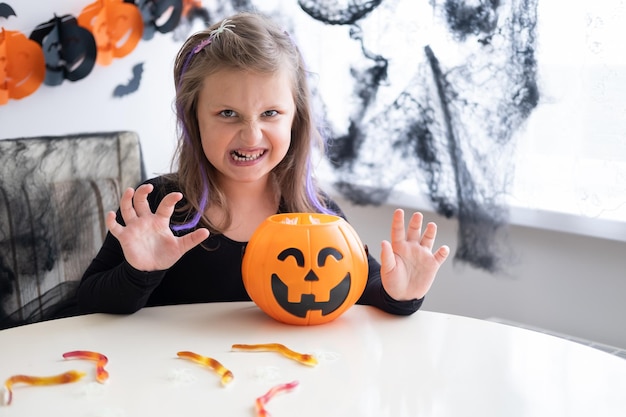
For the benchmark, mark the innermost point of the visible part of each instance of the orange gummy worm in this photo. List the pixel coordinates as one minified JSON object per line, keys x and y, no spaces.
{"x":101,"y":374}
{"x":67,"y":377}
{"x":264,"y":399}
{"x":227,"y":375}
{"x":303,"y":358}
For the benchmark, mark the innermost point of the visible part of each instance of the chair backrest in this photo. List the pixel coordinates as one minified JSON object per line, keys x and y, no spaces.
{"x":54,"y":195}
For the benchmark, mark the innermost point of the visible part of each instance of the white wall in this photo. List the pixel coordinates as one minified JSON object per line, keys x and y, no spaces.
{"x":565,"y":283}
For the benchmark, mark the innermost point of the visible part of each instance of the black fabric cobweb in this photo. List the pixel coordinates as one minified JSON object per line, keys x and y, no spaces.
{"x":49,"y":226}
{"x":58,"y":302}
{"x":452,"y":128}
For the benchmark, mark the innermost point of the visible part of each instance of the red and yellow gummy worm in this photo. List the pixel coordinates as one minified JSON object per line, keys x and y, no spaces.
{"x":264,"y":399}
{"x":64,"y":378}
{"x":101,"y":374}
{"x":227,"y":375}
{"x":303,"y":358}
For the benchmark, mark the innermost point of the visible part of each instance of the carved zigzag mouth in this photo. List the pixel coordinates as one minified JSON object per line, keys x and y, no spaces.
{"x":338,"y":296}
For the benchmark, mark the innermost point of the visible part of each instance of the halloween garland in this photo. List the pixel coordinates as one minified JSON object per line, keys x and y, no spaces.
{"x":68,"y":47}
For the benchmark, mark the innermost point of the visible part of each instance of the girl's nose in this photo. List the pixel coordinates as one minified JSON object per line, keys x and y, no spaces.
{"x":251,"y":132}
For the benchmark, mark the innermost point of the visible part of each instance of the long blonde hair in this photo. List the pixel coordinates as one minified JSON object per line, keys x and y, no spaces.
{"x":245,"y":41}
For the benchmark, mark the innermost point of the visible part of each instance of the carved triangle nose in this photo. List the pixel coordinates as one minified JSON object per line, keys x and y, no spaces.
{"x":311,"y":276}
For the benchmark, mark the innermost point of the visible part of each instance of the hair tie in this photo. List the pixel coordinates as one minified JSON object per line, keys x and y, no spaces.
{"x":214,"y":34}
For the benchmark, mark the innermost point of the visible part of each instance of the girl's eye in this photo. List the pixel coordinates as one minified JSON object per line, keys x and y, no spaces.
{"x":270,"y":113}
{"x":228,"y":113}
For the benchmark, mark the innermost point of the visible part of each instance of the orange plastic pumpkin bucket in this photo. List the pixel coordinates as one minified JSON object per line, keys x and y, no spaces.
{"x":304,"y":268}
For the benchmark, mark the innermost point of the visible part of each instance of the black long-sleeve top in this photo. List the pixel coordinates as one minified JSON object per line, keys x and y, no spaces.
{"x":112,"y":285}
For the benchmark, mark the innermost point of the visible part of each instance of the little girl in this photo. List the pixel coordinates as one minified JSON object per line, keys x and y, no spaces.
{"x":246,"y":140}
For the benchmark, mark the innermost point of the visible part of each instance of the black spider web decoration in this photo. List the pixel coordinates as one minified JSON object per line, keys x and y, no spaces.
{"x":35,"y":236}
{"x":454,"y":122}
{"x":54,"y":193}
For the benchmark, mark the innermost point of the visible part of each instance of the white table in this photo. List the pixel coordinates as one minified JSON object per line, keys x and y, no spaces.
{"x":370,"y":364}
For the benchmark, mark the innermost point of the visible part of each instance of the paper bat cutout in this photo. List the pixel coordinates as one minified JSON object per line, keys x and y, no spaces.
{"x":6,"y":10}
{"x":69,"y":50}
{"x":133,"y":85}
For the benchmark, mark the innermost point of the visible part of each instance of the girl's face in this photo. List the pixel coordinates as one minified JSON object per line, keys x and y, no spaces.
{"x":245,"y":123}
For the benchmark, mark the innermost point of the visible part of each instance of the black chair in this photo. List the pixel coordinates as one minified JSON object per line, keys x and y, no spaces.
{"x":54,"y":194}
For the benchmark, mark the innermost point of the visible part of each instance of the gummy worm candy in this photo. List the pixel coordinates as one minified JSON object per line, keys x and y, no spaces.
{"x":227,"y":375}
{"x":67,"y":377}
{"x":303,"y":358}
{"x":264,"y":399}
{"x":101,"y":374}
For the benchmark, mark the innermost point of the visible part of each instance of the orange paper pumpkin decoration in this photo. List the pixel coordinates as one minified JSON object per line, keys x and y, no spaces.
{"x":304,"y":268}
{"x":116,"y":26}
{"x":22,"y":65}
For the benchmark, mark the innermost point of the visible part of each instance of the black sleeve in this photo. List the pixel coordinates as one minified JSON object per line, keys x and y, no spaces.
{"x":374,"y":293}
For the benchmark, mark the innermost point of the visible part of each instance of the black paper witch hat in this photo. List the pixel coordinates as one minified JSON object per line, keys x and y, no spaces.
{"x":69,"y":49}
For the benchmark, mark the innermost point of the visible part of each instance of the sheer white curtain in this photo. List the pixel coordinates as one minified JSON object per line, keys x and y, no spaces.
{"x":571,"y":158}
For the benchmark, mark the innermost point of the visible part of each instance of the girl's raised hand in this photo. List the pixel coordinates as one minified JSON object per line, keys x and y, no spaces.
{"x":408,"y":264}
{"x":146,"y":239}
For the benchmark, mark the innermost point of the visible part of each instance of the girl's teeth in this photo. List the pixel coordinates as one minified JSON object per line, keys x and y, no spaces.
{"x":239,"y":156}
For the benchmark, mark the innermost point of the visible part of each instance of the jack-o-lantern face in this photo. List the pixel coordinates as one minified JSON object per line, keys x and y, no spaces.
{"x":298,"y":289}
{"x":22,"y":65}
{"x":117,"y":28}
{"x":304,"y":268}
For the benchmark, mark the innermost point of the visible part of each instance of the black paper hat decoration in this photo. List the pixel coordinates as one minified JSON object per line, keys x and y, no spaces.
{"x":158,"y":15}
{"x":69,"y":49}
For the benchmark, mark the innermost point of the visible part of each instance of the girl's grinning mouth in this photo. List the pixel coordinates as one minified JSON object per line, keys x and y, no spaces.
{"x":241,"y":156}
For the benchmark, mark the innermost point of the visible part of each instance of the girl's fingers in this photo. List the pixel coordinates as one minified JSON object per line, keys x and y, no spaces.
{"x":442,"y":254}
{"x":194,"y":238}
{"x":140,"y":200}
{"x":111,"y":222}
{"x":166,"y":207}
{"x":414,"y":230}
{"x":126,"y":206}
{"x":397,"y":227}
{"x":387,"y":258}
{"x":428,"y":239}
{"x":134,"y":204}
{"x":415,"y":227}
